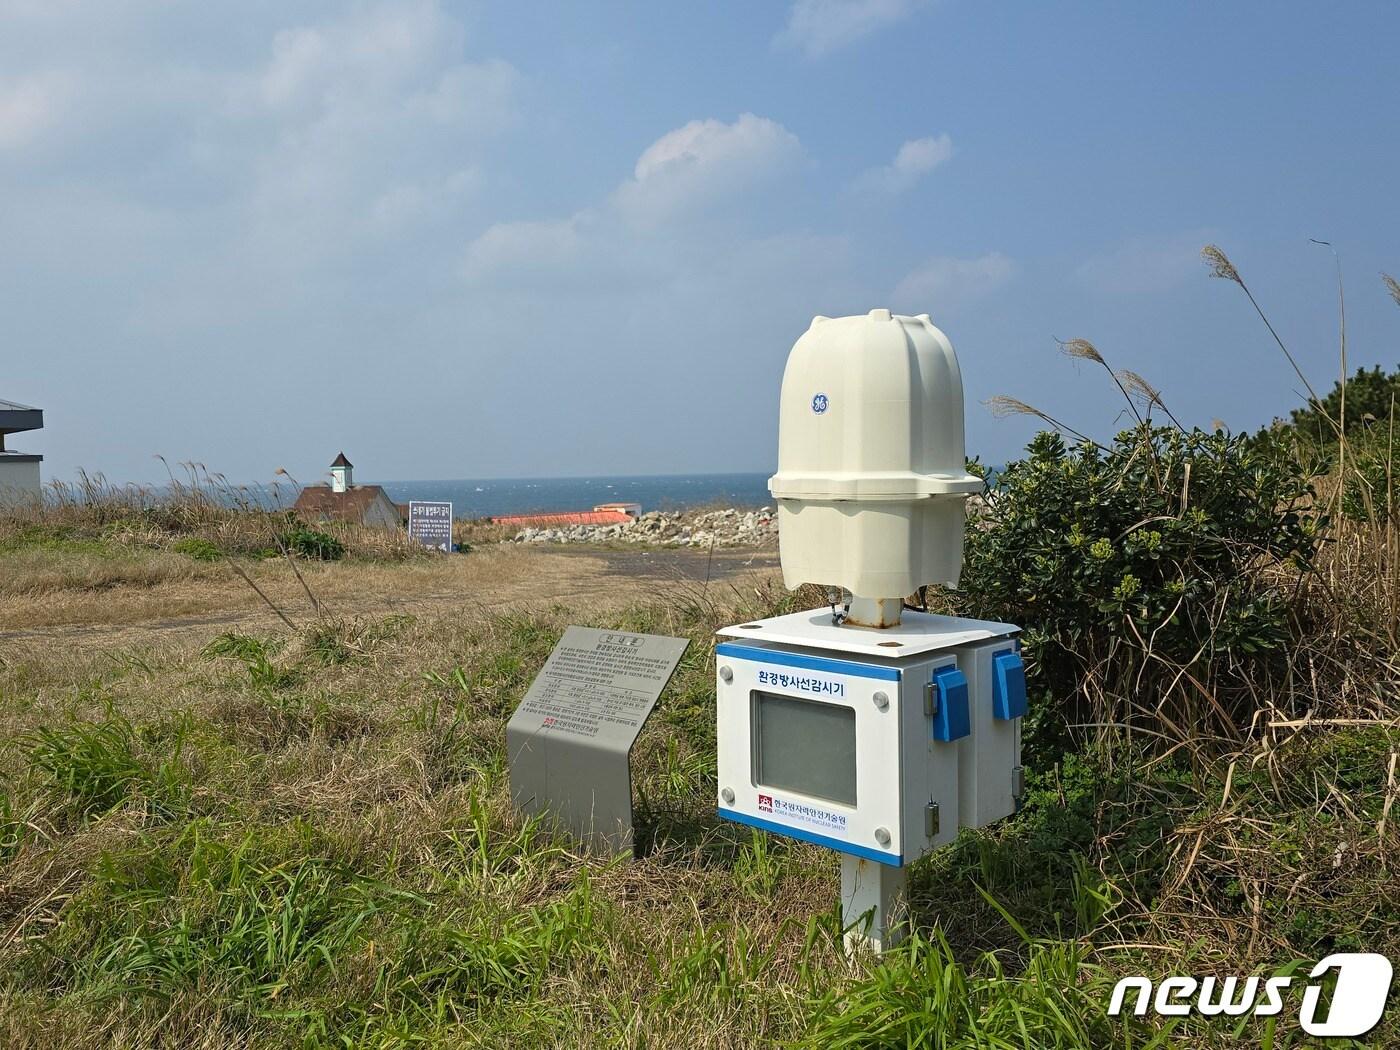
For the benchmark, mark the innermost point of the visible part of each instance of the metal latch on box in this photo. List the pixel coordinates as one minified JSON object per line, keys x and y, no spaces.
{"x":931,"y":820}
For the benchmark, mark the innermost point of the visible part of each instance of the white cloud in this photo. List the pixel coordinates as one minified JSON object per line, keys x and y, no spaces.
{"x":512,"y":249}
{"x":1145,"y":265}
{"x":366,"y":52}
{"x":400,"y":206}
{"x":702,"y":162}
{"x":818,"y":27}
{"x":915,"y":159}
{"x":687,"y":225}
{"x":943,"y":283}
{"x":399,"y":56}
{"x":30,"y":105}
{"x":364,"y":122}
{"x":640,"y":231}
{"x":713,"y":143}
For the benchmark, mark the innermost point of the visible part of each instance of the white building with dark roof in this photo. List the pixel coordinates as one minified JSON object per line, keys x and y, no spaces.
{"x":343,"y":500}
{"x":19,"y":471}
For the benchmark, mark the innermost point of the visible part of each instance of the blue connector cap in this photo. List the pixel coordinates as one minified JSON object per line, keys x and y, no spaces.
{"x":1008,"y":685}
{"x":952,"y":720}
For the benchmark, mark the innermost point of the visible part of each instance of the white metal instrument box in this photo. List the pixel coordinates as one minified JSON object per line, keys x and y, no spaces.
{"x":878,"y":743}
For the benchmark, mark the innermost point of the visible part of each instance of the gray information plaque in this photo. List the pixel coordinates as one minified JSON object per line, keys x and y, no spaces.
{"x":569,"y":740}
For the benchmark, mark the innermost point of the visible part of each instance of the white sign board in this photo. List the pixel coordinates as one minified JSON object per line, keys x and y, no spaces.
{"x":570,"y":737}
{"x":430,"y":523}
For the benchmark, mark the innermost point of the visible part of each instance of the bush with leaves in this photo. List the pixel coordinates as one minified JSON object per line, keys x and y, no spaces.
{"x":1145,"y":575}
{"x":198,"y":548}
{"x":1362,"y":453}
{"x":1368,"y":486}
{"x":1371,"y":396}
{"x":307,"y":542}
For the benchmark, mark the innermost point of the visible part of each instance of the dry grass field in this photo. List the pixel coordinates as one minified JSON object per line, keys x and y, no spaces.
{"x":220,"y":830}
{"x":365,"y":727}
{"x":127,"y":596}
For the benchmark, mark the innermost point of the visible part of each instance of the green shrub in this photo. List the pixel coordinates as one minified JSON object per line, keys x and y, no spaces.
{"x":1371,"y":395}
{"x":1369,"y":482}
{"x":1142,"y":570}
{"x":198,"y":548}
{"x":311,"y":543}
{"x":1366,"y":463}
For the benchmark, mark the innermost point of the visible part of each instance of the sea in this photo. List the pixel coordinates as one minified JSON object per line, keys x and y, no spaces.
{"x":489,"y":497}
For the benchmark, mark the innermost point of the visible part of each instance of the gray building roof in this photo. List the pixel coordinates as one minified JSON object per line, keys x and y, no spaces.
{"x":15,"y":417}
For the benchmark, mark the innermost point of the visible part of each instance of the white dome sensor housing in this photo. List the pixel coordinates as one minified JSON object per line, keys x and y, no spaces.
{"x":872,"y":470}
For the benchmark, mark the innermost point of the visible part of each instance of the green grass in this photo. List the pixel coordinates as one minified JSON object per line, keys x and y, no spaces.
{"x":308,"y":841}
{"x":97,"y":766}
{"x":197,"y":548}
{"x":55,"y":538}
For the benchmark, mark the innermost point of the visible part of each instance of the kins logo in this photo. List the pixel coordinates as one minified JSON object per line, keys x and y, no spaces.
{"x":765,"y":803}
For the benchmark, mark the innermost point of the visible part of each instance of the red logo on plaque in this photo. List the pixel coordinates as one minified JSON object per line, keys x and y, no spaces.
{"x":765,"y":802}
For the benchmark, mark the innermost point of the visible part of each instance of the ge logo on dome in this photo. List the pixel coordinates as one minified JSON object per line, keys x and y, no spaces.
{"x":820,"y":404}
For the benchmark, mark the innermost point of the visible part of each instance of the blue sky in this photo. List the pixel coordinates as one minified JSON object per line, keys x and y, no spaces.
{"x":474,"y":240}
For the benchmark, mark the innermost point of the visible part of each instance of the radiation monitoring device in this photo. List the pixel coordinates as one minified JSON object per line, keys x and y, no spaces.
{"x":867,"y":727}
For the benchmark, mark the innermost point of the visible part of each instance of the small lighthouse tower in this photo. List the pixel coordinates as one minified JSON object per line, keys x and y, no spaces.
{"x":342,"y":474}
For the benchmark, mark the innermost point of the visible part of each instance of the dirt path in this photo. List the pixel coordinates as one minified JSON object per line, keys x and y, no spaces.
{"x":490,"y":579}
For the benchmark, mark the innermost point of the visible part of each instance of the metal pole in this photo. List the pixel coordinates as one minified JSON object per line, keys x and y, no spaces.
{"x":873,"y":904}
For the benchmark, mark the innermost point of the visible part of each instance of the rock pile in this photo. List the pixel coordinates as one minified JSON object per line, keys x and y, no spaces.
{"x":722,"y":528}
